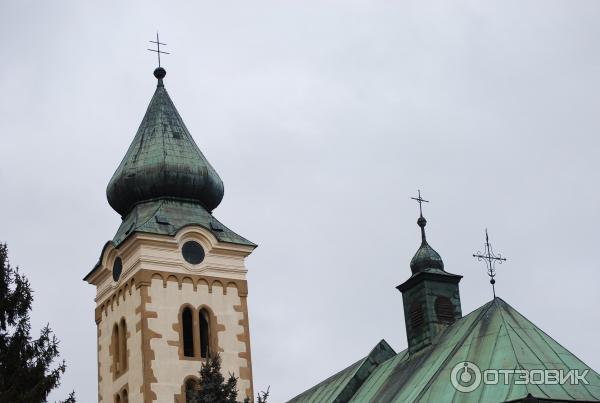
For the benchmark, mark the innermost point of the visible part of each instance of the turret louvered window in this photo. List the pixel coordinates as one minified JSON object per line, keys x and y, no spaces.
{"x":416,"y":315}
{"x":444,"y":309}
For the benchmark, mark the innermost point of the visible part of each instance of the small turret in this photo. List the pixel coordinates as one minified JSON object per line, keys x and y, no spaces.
{"x":430,"y":296}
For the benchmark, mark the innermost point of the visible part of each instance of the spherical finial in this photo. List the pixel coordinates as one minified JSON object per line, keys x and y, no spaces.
{"x":160,"y":73}
{"x":492,"y":281}
{"x":421,"y":222}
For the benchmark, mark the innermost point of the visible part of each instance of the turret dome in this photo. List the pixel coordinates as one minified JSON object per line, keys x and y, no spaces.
{"x":163,"y":161}
{"x":426,"y":257}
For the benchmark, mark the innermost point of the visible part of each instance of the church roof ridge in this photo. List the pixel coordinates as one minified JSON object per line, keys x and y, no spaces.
{"x":344,"y":384}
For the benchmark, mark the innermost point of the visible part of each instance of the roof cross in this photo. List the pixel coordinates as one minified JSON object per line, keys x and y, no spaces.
{"x":420,"y":200}
{"x":157,"y":50}
{"x":490,"y":259}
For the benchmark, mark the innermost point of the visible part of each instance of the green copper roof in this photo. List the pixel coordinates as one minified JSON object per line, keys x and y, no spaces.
{"x":163,"y":161}
{"x":166,"y":217}
{"x":495,"y":336}
{"x":342,"y":386}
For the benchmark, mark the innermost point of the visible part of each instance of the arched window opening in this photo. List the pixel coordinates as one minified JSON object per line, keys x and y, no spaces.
{"x":123,"y":345}
{"x":115,"y":348}
{"x":192,"y":388}
{"x":117,"y":398}
{"x":204,"y":333}
{"x":188,"y":332}
{"x":125,"y":396}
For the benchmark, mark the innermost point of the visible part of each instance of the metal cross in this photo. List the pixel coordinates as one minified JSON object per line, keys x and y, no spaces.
{"x":490,"y":259}
{"x":420,"y":200}
{"x":157,"y":50}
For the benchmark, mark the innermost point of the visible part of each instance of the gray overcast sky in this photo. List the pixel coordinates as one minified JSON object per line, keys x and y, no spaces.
{"x":322,"y":118}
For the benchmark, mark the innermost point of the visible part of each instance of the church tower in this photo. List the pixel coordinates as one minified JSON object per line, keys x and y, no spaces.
{"x":171,"y":285}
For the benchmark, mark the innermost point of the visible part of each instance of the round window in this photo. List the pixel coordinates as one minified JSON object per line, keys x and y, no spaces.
{"x":117,"y":269}
{"x":192,"y":252}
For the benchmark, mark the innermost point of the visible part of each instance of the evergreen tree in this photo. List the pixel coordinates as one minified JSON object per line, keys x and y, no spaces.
{"x":213,"y":388}
{"x":262,"y":396}
{"x":27,"y":370}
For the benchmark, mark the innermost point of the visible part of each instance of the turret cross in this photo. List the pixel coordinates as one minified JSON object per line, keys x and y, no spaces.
{"x":157,"y":50}
{"x":420,"y":200}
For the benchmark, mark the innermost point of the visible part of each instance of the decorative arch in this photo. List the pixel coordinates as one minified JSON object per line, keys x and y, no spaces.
{"x":218,"y":284}
{"x":203,"y":282}
{"x":233,"y":285}
{"x":158,"y":276}
{"x":174,"y":278}
{"x":198,"y":233}
{"x":188,"y":280}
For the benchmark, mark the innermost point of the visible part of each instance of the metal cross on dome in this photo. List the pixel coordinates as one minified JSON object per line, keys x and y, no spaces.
{"x":420,"y":200}
{"x":490,"y":259}
{"x":157,"y":50}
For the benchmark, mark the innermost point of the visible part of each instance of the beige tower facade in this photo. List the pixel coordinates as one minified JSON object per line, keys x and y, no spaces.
{"x":171,"y":285}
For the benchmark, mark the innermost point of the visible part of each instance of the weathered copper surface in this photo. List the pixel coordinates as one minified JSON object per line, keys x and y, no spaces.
{"x":495,"y":336}
{"x":163,"y":161}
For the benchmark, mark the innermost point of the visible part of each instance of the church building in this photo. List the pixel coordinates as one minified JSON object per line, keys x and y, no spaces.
{"x":171,"y":290}
{"x":171,"y":284}
{"x":494,"y":354}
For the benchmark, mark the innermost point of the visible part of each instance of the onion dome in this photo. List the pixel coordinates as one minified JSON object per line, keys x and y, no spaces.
{"x":163,"y":161}
{"x":426,"y":257}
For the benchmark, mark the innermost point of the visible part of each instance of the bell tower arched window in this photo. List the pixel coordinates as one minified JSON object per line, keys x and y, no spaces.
{"x":191,"y":391}
{"x":119,"y":347}
{"x":122,"y":346}
{"x":197,"y":336}
{"x":115,"y":347}
{"x":204,"y":333}
{"x":188,"y":331}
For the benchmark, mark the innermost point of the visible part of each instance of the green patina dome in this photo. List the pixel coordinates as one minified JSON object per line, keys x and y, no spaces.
{"x":426,"y":257}
{"x":163,"y":161}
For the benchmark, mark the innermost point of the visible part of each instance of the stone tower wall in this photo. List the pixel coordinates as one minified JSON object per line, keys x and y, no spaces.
{"x":155,"y":284}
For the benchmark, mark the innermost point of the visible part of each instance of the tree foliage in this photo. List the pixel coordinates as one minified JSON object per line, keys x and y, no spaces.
{"x":27,"y":366}
{"x":213,"y":388}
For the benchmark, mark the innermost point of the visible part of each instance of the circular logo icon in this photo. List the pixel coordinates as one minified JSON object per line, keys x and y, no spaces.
{"x":465,"y":377}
